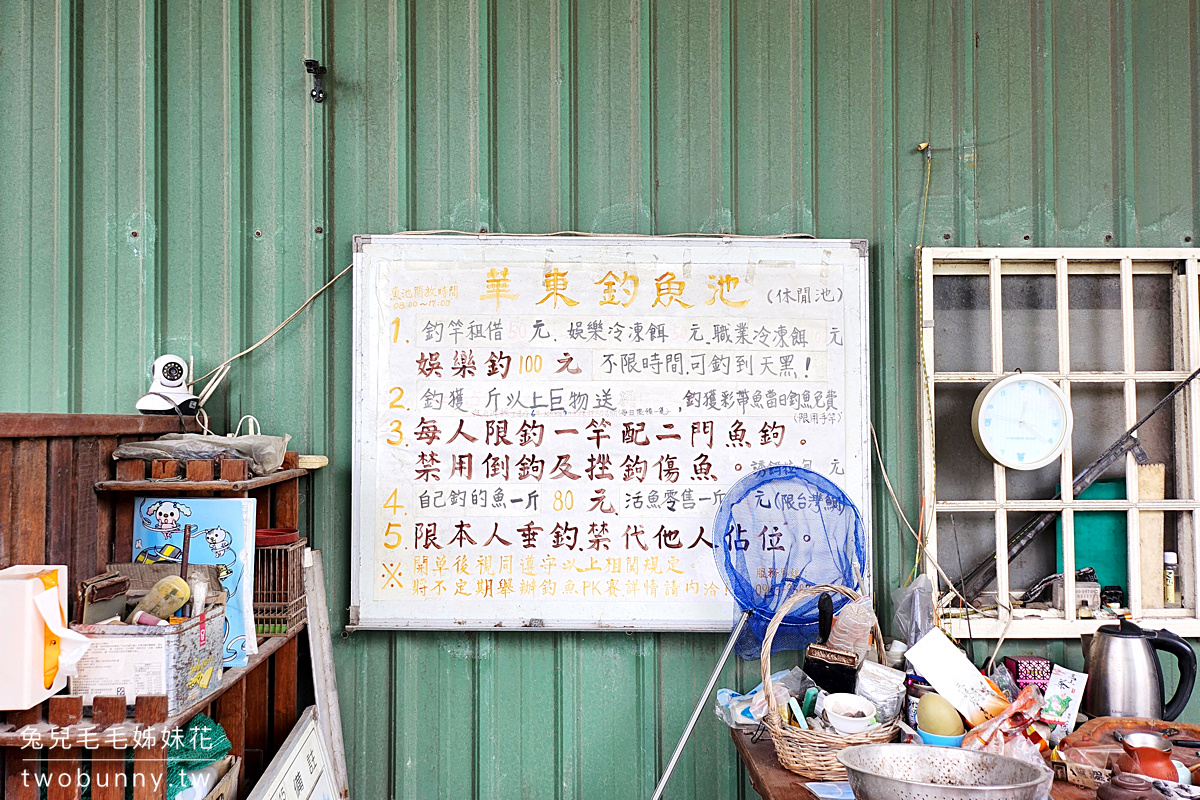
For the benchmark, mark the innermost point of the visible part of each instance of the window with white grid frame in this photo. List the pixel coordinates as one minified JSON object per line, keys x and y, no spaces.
{"x":1116,"y":330}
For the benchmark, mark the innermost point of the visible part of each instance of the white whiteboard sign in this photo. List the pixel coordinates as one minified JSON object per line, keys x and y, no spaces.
{"x":544,"y":427}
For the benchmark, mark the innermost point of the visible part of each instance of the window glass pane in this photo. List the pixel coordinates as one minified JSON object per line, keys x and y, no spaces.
{"x":1153,"y":322}
{"x":1030,"y":323}
{"x":1099,"y":411}
{"x":1094,"y":303}
{"x":964,"y":540}
{"x":963,"y":471}
{"x":1158,"y":434}
{"x":1101,"y":537}
{"x":1034,"y":484}
{"x":962,"y":324}
{"x":1160,"y":531}
{"x":1037,"y":560}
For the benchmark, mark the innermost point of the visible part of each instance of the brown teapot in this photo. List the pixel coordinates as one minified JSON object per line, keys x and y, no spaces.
{"x":1147,"y":754}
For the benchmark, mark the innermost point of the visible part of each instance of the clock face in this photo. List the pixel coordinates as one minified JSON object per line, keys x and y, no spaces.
{"x":1022,"y":421}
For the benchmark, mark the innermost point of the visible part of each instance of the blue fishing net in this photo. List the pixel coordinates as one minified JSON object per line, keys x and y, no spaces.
{"x":779,"y":528}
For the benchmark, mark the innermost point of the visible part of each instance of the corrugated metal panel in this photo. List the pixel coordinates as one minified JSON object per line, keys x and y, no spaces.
{"x":1063,"y":121}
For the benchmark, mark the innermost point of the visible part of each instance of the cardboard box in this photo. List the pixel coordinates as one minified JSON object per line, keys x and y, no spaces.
{"x":227,"y":787}
{"x":1086,"y":594}
{"x":182,"y":661}
{"x":939,"y":661}
{"x":1087,"y":776}
{"x":1029,"y":669}
{"x":39,"y":651}
{"x":230,"y":768}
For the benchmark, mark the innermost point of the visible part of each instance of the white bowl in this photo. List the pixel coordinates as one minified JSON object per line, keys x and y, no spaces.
{"x":840,"y":707}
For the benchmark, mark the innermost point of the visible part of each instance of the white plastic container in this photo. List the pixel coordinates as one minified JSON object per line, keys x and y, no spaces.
{"x":841,"y":708}
{"x":39,"y":651}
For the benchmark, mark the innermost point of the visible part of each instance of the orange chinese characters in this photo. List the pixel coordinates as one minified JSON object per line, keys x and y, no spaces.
{"x":721,"y":285}
{"x":627,"y":285}
{"x":555,"y":281}
{"x":498,"y":286}
{"x":668,"y":290}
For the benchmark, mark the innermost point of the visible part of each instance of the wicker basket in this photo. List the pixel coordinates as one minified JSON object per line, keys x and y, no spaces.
{"x":812,"y":754}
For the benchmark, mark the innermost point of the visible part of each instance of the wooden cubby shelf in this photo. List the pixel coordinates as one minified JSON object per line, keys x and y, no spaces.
{"x":65,"y":484}
{"x":174,"y":485}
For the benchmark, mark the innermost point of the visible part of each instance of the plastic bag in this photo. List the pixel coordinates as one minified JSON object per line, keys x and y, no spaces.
{"x":1004,"y":681}
{"x":914,"y":609}
{"x":747,"y":710}
{"x":734,"y":709}
{"x":1010,"y":724}
{"x":793,"y":683}
{"x":758,"y":706}
{"x":852,"y":628}
{"x":884,"y":687}
{"x":264,"y":452}
{"x":1007,"y":734}
{"x":796,"y":681}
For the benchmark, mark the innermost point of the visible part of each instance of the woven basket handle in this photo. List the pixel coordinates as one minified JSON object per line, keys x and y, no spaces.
{"x":797,"y":597}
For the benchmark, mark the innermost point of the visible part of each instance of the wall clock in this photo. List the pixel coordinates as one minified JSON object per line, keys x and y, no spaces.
{"x":1022,"y":421}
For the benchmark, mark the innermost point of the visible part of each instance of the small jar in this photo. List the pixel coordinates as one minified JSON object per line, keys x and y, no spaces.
{"x":916,"y":687}
{"x":1170,"y":568}
{"x":896,"y":654}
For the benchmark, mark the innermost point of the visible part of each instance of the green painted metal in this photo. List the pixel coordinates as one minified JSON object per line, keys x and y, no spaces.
{"x":1053,"y":122}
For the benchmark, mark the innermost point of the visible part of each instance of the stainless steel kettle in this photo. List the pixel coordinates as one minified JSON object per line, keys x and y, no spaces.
{"x":1125,"y":678}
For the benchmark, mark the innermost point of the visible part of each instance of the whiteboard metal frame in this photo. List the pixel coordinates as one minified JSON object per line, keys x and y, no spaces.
{"x":360,"y":554}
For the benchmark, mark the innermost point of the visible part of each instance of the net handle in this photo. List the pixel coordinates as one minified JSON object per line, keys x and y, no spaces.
{"x":797,"y":597}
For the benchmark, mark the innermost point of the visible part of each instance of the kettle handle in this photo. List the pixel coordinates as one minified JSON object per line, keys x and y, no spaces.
{"x":1176,"y":646}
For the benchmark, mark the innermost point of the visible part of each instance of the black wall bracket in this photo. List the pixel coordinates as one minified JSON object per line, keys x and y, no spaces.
{"x":315,"y":69}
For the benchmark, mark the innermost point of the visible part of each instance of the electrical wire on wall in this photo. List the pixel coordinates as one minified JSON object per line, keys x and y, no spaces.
{"x":928,"y":510}
{"x":929,"y":499}
{"x":222,"y":369}
{"x":887,"y":482}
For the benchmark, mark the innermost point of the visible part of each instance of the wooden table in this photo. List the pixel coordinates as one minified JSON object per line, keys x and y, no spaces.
{"x":767,"y":775}
{"x":773,"y":782}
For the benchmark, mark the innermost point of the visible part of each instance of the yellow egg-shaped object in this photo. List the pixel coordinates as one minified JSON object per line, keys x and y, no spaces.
{"x":935,"y":715}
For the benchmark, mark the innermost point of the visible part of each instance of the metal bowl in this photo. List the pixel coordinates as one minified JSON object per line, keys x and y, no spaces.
{"x":921,"y":772}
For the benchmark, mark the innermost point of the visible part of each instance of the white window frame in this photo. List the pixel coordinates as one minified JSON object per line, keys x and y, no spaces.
{"x":1061,"y":262}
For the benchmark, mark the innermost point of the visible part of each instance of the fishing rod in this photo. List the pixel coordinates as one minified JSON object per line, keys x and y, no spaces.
{"x":983,"y":573}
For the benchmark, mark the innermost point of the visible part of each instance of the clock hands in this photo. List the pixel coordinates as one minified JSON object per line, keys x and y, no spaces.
{"x":1021,"y":421}
{"x":1034,"y":432}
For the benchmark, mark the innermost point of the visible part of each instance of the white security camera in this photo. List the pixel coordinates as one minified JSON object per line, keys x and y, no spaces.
{"x":168,"y":389}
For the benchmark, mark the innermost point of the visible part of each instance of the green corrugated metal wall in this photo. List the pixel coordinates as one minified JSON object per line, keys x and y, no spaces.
{"x":167,"y":185}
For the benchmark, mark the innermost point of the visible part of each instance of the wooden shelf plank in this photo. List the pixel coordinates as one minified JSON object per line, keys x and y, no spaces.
{"x":19,"y":425}
{"x":200,"y":486}
{"x":266,"y":648}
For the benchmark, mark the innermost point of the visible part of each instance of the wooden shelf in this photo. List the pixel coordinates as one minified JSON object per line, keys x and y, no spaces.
{"x":250,"y":484}
{"x":64,"y":480}
{"x":88,"y":735}
{"x":31,"y":426}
